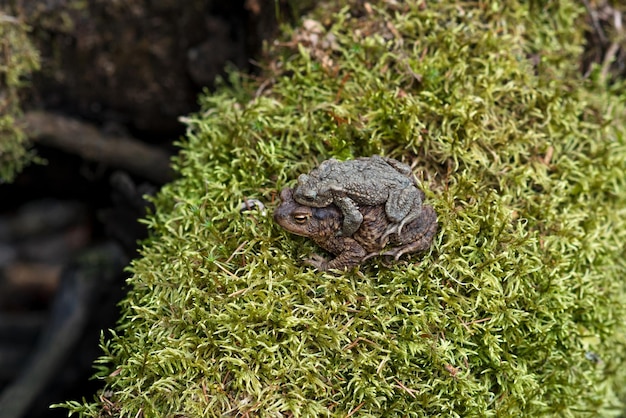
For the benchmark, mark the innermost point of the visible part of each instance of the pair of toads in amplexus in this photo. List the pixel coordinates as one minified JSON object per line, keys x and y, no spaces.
{"x":358,"y":209}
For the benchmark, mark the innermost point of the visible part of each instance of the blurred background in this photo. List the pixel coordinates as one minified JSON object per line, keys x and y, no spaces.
{"x":102,"y":113}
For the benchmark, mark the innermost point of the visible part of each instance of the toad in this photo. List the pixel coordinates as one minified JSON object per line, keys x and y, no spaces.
{"x":366,"y":181}
{"x":322,"y":223}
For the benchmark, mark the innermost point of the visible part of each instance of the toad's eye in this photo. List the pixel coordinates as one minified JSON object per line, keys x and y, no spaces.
{"x":309,"y":195}
{"x":300,"y":219}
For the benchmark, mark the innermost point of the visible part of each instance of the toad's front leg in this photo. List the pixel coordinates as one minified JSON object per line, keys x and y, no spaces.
{"x":352,"y":217}
{"x":349,"y":254}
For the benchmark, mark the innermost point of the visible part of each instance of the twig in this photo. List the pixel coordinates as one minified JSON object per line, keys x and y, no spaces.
{"x":608,"y":59}
{"x":612,"y":51}
{"x":594,"y":21}
{"x":224,"y":269}
{"x":8,"y":19}
{"x":76,"y":137}
{"x":243,"y":244}
{"x":407,"y":390}
{"x":355,"y":410}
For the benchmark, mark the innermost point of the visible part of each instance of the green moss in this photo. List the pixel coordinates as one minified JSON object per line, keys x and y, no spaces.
{"x":517,"y":309}
{"x":18,"y":58}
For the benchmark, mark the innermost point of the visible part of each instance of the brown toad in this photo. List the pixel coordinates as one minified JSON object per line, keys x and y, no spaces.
{"x":322,"y":224}
{"x":367,"y":181}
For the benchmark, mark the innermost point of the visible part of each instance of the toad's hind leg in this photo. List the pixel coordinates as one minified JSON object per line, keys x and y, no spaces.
{"x":396,"y":228}
{"x":404,"y":205}
{"x":423,"y":236}
{"x":415,"y":212}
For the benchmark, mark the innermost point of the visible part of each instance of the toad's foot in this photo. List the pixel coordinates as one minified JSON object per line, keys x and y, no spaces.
{"x":317,"y":261}
{"x":420,"y":244}
{"x":396,"y":228}
{"x":351,"y":223}
{"x":391,"y":229}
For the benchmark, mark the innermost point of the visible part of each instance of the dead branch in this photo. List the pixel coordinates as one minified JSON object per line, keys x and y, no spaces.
{"x":85,"y":140}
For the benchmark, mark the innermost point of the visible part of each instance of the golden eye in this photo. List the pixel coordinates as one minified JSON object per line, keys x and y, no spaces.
{"x":300,"y":219}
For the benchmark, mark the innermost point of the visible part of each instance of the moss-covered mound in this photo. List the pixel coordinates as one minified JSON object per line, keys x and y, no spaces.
{"x":516,"y":310}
